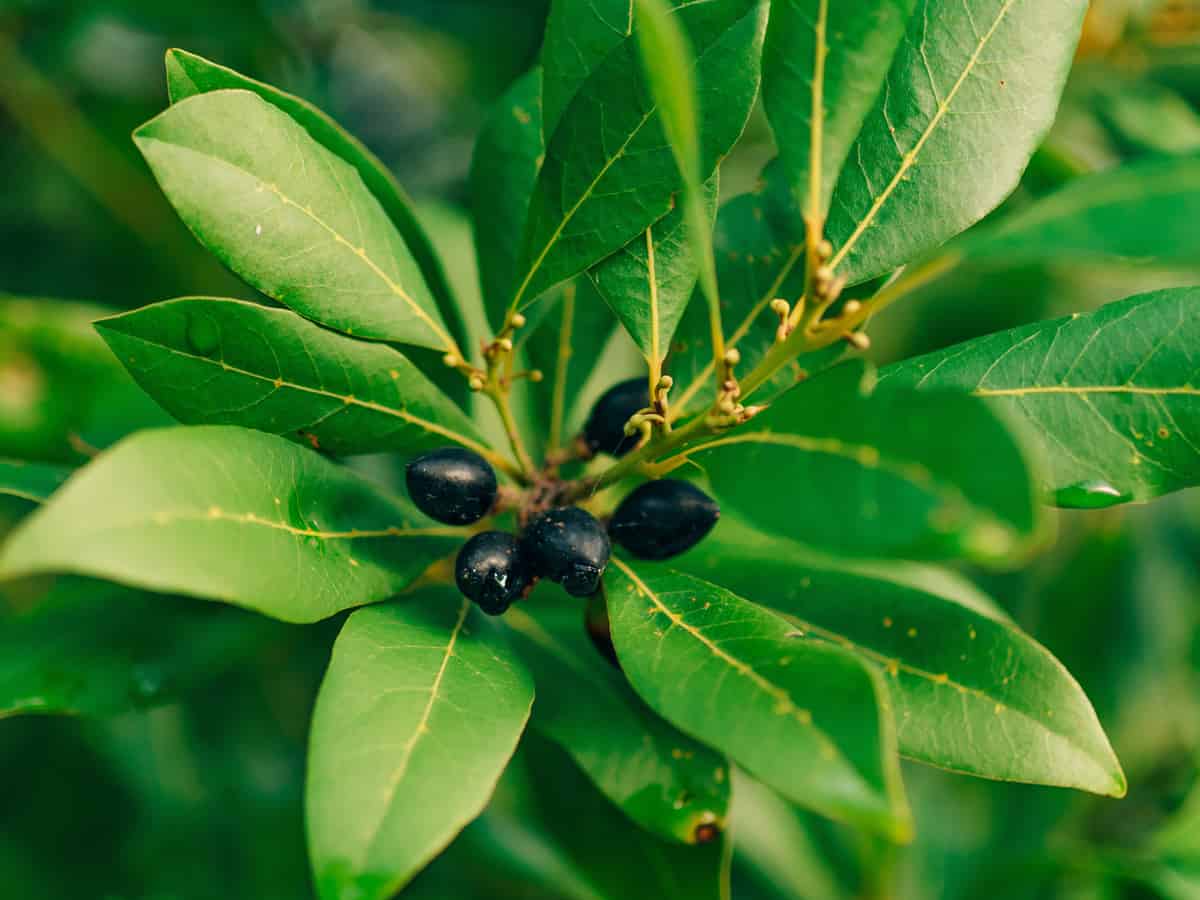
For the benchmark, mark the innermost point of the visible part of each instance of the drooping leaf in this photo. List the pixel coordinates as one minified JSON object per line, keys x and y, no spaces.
{"x":227,"y":514}
{"x":289,"y":216}
{"x":508,"y":156}
{"x":971,"y":92}
{"x":967,"y":684}
{"x":1109,"y":396}
{"x":609,"y":171}
{"x":32,"y":482}
{"x":824,"y":63}
{"x":419,"y":712}
{"x":217,"y":361}
{"x":662,"y":779}
{"x":805,"y":717}
{"x":189,"y":75}
{"x":95,"y":649}
{"x":920,"y":476}
{"x":649,"y":282}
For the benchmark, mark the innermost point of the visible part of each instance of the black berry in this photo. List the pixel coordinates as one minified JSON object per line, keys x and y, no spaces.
{"x":570,"y":547}
{"x":492,"y":571}
{"x":662,"y":519}
{"x":452,"y":485}
{"x":605,"y":428}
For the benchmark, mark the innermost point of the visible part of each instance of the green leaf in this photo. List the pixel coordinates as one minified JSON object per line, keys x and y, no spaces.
{"x":895,"y":473}
{"x":824,"y":63}
{"x":293,"y":219}
{"x":972,"y":91}
{"x":419,"y":712}
{"x":967,"y":685}
{"x":32,"y":482}
{"x":1109,"y":396}
{"x":189,"y":75}
{"x":1143,"y":210}
{"x":227,"y":514}
{"x":579,"y":35}
{"x":609,"y":171}
{"x":649,"y":282}
{"x":803,"y":716}
{"x":95,"y":649}
{"x":508,"y":156}
{"x":215,"y":361}
{"x":662,"y":779}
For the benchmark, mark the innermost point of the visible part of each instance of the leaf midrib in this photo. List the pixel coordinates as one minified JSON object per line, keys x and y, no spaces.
{"x":1180,"y":390}
{"x":345,"y":399}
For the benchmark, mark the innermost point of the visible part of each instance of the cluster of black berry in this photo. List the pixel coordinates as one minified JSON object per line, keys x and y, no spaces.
{"x":658,"y":520}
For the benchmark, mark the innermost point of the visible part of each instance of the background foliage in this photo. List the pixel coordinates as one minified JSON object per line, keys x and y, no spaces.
{"x":199,"y":794}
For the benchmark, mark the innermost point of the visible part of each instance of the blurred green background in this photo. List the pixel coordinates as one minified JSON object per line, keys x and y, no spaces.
{"x":199,"y":795}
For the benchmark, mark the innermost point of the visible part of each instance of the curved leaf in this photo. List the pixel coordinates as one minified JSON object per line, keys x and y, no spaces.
{"x":968,"y":686}
{"x":189,"y":75}
{"x":1110,"y":396}
{"x":293,"y":219}
{"x":609,"y":171}
{"x":215,"y":361}
{"x":662,"y":779}
{"x":95,"y":649}
{"x":504,"y":169}
{"x":32,"y":482}
{"x":972,"y":91}
{"x":805,"y":717}
{"x":649,"y":282}
{"x":890,"y":473}
{"x":419,"y":712}
{"x":824,"y":63}
{"x":233,"y":515}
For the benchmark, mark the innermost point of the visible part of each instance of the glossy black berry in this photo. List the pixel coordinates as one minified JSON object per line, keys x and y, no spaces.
{"x":570,"y":547}
{"x":491,"y":570}
{"x":662,"y":519}
{"x":452,"y":485}
{"x":605,"y":428}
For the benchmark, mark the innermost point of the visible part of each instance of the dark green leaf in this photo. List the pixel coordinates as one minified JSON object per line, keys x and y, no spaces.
{"x":803,"y":716}
{"x":609,"y":171}
{"x":971,"y":92}
{"x":649,"y":282}
{"x":824,"y":63}
{"x":188,"y":75}
{"x":508,"y":155}
{"x":417,"y":717}
{"x":233,"y":515}
{"x":662,"y":779}
{"x":33,"y":482}
{"x":967,"y":685}
{"x":1110,"y":395}
{"x":214,"y":361}
{"x":96,"y":649}
{"x":890,"y":473}
{"x":289,"y":216}
{"x":579,"y":35}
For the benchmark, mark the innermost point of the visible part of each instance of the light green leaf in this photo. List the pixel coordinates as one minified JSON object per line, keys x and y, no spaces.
{"x":968,"y":686}
{"x":609,"y":171}
{"x":649,"y":282}
{"x":95,"y":649}
{"x":233,"y":515}
{"x":662,"y":779}
{"x":508,"y":156}
{"x":216,"y":361}
{"x":1110,"y":396}
{"x":32,"y":482}
{"x":189,"y":75}
{"x":293,"y":219}
{"x":419,"y":712}
{"x":920,"y":476}
{"x":824,"y":63}
{"x":971,"y":92}
{"x":803,"y":716}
